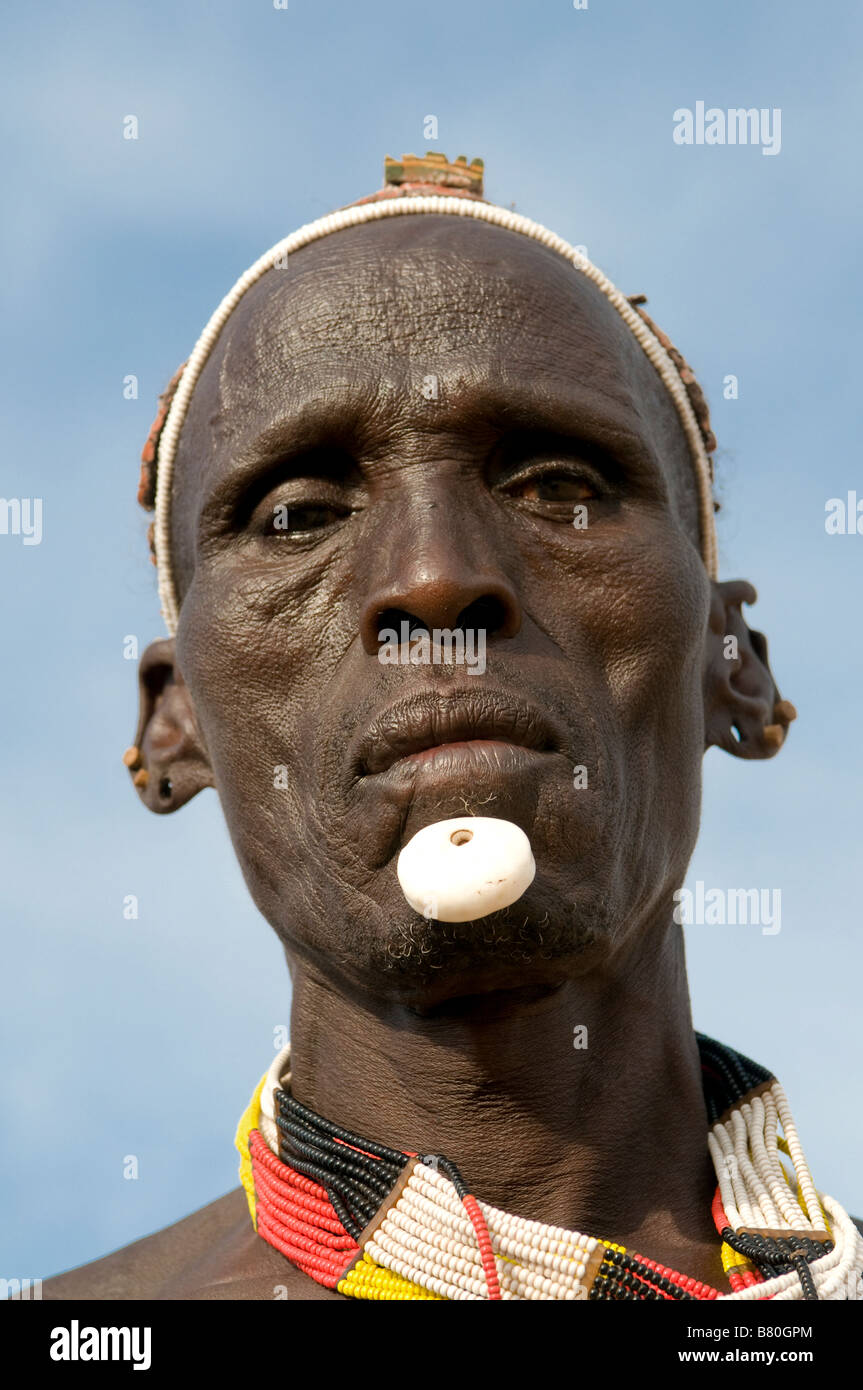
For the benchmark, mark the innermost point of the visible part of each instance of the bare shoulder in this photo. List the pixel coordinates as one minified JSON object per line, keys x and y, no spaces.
{"x":212,"y":1254}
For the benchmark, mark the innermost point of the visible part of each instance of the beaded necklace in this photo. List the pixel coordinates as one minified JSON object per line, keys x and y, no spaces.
{"x":378,"y":1223}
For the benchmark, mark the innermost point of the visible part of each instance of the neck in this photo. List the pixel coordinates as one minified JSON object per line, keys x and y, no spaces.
{"x":607,"y":1138}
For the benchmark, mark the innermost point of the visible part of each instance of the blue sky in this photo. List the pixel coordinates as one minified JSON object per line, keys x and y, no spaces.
{"x":146,"y":1037}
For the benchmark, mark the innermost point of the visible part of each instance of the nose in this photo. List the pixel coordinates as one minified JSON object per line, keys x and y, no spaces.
{"x":439,"y":574}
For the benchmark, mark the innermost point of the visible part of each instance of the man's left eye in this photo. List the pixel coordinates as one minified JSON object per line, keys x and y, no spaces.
{"x":554,"y":487}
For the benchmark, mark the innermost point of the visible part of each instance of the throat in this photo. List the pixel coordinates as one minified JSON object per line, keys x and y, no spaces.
{"x":370,"y":1221}
{"x":542,"y":1097}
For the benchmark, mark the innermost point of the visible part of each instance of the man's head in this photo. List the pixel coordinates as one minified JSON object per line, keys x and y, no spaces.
{"x":435,"y":421}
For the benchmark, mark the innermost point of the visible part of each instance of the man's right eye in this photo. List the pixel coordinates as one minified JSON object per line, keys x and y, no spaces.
{"x":298,"y":520}
{"x":288,"y":520}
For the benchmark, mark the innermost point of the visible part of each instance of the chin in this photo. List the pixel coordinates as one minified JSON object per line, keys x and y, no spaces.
{"x":346,"y":916}
{"x":533,"y":946}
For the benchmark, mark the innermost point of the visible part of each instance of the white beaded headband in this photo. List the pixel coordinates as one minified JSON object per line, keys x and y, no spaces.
{"x":407,"y":207}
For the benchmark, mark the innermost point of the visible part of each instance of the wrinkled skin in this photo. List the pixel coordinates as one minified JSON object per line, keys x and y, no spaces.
{"x":316,"y":387}
{"x":605,"y":649}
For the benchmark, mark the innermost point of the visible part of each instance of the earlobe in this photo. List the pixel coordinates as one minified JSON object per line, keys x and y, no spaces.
{"x":743,"y":711}
{"x":168,"y":762}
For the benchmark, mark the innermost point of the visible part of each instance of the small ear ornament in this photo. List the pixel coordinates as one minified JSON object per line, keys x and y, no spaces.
{"x":784,"y":713}
{"x":133,"y":761}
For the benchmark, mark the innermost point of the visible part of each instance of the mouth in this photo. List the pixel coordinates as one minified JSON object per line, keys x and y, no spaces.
{"x":465,"y":729}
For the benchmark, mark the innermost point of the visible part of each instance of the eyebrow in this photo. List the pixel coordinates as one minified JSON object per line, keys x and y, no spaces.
{"x":485,"y":409}
{"x":573,"y":411}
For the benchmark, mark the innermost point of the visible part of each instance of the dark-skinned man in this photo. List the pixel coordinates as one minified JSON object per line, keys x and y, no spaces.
{"x":427,"y":411}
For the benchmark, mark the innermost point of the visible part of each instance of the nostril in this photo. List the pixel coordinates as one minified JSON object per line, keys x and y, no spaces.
{"x":392,"y":618}
{"x":432,"y":605}
{"x":485,"y":614}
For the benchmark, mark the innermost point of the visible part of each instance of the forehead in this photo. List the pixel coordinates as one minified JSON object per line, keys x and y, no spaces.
{"x":349,"y":329}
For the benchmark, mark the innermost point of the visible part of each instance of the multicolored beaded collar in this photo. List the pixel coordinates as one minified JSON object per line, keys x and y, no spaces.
{"x":377,"y":1223}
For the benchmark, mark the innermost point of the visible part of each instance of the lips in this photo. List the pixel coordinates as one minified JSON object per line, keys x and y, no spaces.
{"x":468,"y":721}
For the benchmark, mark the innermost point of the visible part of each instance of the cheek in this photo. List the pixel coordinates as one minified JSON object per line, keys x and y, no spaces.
{"x":630,"y":612}
{"x":258,"y":649}
{"x":254,"y":647}
{"x":630,"y":615}
{"x":657,"y":609}
{"x":247,"y":666}
{"x":653,"y":653}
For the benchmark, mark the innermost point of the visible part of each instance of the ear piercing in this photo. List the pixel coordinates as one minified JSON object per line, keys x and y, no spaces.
{"x":132,"y":760}
{"x":774,"y":734}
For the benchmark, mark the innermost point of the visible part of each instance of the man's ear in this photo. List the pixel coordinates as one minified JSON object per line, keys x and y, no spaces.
{"x":743,"y":712}
{"x":167,"y":761}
